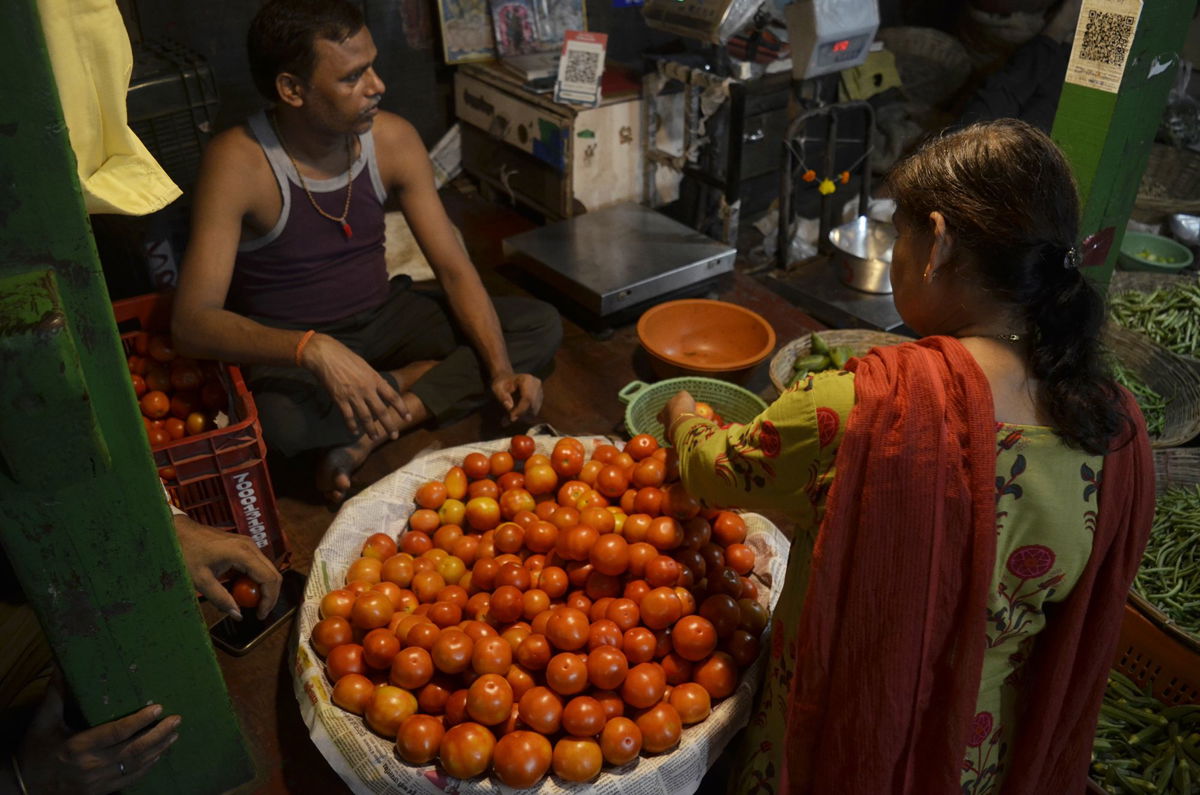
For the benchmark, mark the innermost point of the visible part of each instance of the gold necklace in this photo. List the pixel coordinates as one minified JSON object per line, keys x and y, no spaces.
{"x":346,"y":230}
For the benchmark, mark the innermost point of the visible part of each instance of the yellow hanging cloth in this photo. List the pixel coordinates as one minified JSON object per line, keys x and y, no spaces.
{"x":92,"y":60}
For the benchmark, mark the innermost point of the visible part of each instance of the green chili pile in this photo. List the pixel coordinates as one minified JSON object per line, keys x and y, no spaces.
{"x":1142,"y":745}
{"x":1152,"y":404}
{"x":1169,"y":577}
{"x":1170,"y":316}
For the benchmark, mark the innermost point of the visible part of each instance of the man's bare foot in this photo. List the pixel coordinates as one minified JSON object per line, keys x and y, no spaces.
{"x":339,"y":463}
{"x":333,"y":473}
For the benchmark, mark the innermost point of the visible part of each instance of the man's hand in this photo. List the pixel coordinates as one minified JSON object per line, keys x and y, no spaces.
{"x":210,"y":553}
{"x":107,"y":758}
{"x":526,"y":388}
{"x":367,"y":401}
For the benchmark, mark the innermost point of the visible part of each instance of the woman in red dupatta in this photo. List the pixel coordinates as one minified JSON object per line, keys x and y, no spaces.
{"x":952,"y":486}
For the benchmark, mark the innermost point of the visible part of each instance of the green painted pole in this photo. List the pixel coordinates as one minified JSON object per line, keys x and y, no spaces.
{"x":1109,"y":111}
{"x":82,"y":514}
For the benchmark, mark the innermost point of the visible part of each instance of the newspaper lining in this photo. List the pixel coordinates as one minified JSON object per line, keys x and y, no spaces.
{"x":368,"y":763}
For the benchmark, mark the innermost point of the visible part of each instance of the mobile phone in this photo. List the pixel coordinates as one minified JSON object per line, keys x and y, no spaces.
{"x":239,"y":637}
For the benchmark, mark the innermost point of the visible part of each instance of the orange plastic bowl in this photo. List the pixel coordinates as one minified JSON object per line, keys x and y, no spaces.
{"x":696,"y":336}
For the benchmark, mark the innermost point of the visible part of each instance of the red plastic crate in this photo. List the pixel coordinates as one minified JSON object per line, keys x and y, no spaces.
{"x":1152,"y":658}
{"x":220,"y":476}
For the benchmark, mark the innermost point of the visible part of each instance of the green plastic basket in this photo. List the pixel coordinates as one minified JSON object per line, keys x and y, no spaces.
{"x":644,"y":401}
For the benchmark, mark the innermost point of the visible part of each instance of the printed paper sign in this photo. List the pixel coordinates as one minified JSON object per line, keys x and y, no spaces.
{"x":1103,"y":36}
{"x":581,"y":67}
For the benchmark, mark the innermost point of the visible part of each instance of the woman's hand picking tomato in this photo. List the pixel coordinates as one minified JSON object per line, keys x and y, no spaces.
{"x":681,"y":402}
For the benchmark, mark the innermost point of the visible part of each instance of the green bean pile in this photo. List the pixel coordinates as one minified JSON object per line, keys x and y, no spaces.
{"x":1142,"y":745}
{"x":1170,"y":316}
{"x":1169,"y":577}
{"x":1152,"y":404}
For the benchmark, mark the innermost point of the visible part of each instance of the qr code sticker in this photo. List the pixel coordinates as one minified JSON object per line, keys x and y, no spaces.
{"x":1106,"y":37}
{"x":581,"y":67}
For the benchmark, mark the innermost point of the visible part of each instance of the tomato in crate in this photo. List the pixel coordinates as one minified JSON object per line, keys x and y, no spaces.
{"x":217,"y":475}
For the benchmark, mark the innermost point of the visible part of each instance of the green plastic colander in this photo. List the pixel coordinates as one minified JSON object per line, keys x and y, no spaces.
{"x":644,"y":401}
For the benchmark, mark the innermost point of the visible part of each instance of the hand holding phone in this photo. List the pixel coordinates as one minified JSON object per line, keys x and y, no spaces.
{"x":239,"y":637}
{"x":210,"y":554}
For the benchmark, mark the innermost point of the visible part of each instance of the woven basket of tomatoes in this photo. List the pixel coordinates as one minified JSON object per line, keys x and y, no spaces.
{"x":202,"y":427}
{"x":533,"y":612}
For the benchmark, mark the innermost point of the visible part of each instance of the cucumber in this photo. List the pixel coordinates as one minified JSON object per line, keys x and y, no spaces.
{"x":814,"y":362}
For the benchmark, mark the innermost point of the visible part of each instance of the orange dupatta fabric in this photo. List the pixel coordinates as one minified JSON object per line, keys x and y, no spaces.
{"x":891,"y":640}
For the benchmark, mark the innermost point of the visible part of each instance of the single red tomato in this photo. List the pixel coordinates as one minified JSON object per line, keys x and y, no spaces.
{"x":380,"y":546}
{"x":329,"y":633}
{"x":466,"y":749}
{"x":419,"y":738}
{"x":155,"y":404}
{"x":246,"y":592}
{"x":641,"y":446}
{"x":729,"y":528}
{"x":644,"y":685}
{"x":620,"y":741}
{"x":380,"y":647}
{"x":521,"y":446}
{"x":500,"y":463}
{"x":567,"y":673}
{"x":431,"y":495}
{"x":521,"y":758}
{"x":661,"y":727}
{"x":577,"y":759}
{"x":583,"y":716}
{"x":372,"y":609}
{"x":717,"y":674}
{"x":353,"y":693}
{"x":691,"y":701}
{"x":476,"y":466}
{"x":541,"y":709}
{"x":567,"y":628}
{"x":694,"y":637}
{"x":411,"y":668}
{"x":489,"y":699}
{"x":388,"y":708}
{"x":491,"y":655}
{"x":345,"y":659}
{"x":534,"y":652}
{"x":338,"y":602}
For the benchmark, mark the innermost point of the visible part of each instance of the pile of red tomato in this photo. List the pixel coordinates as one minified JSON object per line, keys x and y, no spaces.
{"x":545,"y":612}
{"x":178,"y":396}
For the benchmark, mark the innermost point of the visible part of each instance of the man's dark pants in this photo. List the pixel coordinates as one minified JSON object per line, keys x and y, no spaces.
{"x":298,"y":414}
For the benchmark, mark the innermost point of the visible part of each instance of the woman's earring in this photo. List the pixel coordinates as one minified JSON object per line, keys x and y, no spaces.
{"x":930,"y":273}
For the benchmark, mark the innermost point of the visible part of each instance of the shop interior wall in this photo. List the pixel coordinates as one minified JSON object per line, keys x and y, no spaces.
{"x":419,"y":83}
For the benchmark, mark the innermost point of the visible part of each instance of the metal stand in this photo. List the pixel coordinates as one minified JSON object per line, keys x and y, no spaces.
{"x":791,"y":159}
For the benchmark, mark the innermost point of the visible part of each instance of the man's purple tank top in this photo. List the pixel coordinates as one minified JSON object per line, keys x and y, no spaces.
{"x":305,"y":271}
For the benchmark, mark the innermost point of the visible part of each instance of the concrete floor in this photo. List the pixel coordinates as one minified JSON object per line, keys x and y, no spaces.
{"x":581,"y":398}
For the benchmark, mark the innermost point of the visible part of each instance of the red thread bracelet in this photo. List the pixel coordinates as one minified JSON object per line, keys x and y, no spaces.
{"x":300,"y":345}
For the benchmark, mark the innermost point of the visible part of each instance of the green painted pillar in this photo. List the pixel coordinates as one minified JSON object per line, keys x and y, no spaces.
{"x":1111,"y":103}
{"x":82,"y":514}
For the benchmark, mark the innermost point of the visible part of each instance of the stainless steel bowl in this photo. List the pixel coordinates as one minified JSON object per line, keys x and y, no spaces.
{"x":864,"y":253}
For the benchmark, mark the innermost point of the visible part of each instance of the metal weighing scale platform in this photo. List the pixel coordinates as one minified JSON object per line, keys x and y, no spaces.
{"x":816,"y":288}
{"x":619,"y":258}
